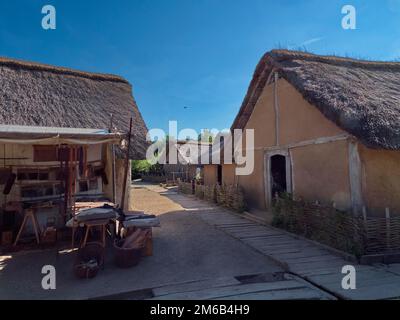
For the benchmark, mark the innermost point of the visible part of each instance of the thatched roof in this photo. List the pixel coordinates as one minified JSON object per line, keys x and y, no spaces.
{"x":34,"y":94}
{"x":361,"y":97}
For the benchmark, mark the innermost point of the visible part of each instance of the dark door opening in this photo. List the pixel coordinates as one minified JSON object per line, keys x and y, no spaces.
{"x":219,"y":174}
{"x":278,"y":175}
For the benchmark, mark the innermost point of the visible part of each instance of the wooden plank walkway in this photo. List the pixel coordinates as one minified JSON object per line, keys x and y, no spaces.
{"x":222,"y":289}
{"x":195,"y":286}
{"x":308,"y":260}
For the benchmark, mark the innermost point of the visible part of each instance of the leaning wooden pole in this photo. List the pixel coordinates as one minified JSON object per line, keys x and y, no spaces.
{"x":126,"y":165}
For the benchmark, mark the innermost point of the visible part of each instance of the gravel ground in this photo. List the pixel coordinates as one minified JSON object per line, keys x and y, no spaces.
{"x":144,"y":199}
{"x":185,"y":249}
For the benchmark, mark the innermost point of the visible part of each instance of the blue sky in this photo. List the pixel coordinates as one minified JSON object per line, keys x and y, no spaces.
{"x":198,"y":54}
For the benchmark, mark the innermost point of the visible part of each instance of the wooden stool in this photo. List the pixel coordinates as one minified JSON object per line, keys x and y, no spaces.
{"x":29,"y":213}
{"x":74,"y":227}
{"x":93,"y":224}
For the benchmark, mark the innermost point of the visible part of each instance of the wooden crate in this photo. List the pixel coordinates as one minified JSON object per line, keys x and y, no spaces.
{"x":148,"y":248}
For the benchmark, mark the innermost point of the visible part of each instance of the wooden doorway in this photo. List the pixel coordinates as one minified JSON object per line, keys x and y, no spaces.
{"x":219,"y":174}
{"x":277,"y":174}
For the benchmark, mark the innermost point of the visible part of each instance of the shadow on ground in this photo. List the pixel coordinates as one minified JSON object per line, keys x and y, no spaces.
{"x":185,"y":249}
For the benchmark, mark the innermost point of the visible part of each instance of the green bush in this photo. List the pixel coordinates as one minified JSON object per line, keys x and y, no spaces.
{"x":143,"y":167}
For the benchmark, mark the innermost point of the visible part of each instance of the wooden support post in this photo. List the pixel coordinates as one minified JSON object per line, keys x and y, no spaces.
{"x":364,"y":213}
{"x":276,"y":108}
{"x":126,"y":166}
{"x":355,"y":177}
{"x":114,"y":187}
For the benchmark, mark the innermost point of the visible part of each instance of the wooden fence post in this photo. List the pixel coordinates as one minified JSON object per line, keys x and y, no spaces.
{"x":388,"y":235}
{"x":365,"y":231}
{"x":364,"y":213}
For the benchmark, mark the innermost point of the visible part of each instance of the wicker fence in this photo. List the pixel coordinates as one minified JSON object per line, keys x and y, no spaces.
{"x":382,"y":235}
{"x":185,"y":187}
{"x":229,"y":196}
{"x":338,"y":229}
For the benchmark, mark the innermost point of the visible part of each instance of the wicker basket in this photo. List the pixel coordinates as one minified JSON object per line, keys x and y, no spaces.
{"x":126,"y":257}
{"x":91,"y":252}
